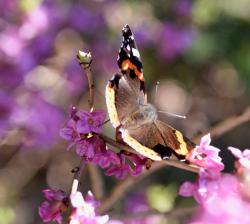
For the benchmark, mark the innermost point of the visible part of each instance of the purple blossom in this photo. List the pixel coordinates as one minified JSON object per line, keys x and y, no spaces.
{"x":106,"y":159}
{"x":84,"y":19}
{"x":206,"y":156}
{"x":52,"y":209}
{"x":84,"y":210}
{"x":13,"y":44}
{"x":41,"y":46}
{"x":143,"y":36}
{"x":90,"y":121}
{"x":6,"y":105}
{"x":182,"y":8}
{"x":85,"y":148}
{"x":79,"y":131}
{"x":136,"y":203}
{"x":36,"y":22}
{"x":69,"y":133}
{"x":9,"y":8}
{"x":76,"y":82}
{"x":204,"y":189}
{"x":226,"y":205}
{"x":78,"y":128}
{"x":121,"y":169}
{"x":174,"y":41}
{"x":39,"y":119}
{"x":242,"y":166}
{"x":138,"y":163}
{"x":104,"y":52}
{"x":10,"y":77}
{"x":243,"y":158}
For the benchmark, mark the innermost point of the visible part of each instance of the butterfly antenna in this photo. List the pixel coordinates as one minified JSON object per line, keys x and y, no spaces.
{"x":105,"y":122}
{"x":172,"y":115}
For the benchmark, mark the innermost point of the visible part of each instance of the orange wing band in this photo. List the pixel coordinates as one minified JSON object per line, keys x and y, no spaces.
{"x":128,"y":65}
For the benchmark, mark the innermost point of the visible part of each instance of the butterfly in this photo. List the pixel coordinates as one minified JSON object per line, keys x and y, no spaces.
{"x":132,"y":116}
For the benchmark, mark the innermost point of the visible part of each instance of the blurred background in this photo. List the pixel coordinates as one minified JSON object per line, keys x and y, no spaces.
{"x":198,"y":50}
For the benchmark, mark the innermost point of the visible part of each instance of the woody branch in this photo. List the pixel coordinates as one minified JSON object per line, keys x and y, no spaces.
{"x":85,"y":60}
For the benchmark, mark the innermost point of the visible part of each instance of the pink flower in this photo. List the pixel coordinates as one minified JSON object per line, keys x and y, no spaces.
{"x":84,"y":210}
{"x":52,"y":209}
{"x":85,"y":149}
{"x":137,"y":163}
{"x":243,"y":169}
{"x":121,"y":167}
{"x":227,"y":204}
{"x":243,"y":158}
{"x":203,"y":190}
{"x":206,"y":156}
{"x":106,"y":159}
{"x":90,"y":121}
{"x":69,"y":133}
{"x":89,"y":147}
{"x":78,"y":132}
{"x":120,"y":170}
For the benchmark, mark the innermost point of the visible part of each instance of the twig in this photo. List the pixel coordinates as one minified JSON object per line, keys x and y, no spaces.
{"x":227,"y":125}
{"x":181,"y":165}
{"x":170,"y":162}
{"x":124,"y":186}
{"x":96,"y":181}
{"x":175,"y":213}
{"x":77,"y":175}
{"x":121,"y":188}
{"x":116,"y":144}
{"x":85,"y":60}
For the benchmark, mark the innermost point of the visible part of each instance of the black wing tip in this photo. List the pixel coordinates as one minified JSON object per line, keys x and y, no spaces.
{"x":126,"y":31}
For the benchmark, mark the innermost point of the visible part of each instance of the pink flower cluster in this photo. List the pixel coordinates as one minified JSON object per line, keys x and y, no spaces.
{"x":81,"y":130}
{"x":206,"y":156}
{"x":52,"y":209}
{"x":222,"y":197}
{"x":83,"y":210}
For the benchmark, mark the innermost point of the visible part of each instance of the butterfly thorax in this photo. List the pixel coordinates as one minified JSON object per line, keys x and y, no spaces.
{"x":146,"y":114}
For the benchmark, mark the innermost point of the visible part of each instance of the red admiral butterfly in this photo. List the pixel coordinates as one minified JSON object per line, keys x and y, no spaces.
{"x":132,"y":116}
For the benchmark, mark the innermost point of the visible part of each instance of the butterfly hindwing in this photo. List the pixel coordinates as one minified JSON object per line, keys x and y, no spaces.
{"x":148,"y":141}
{"x":174,"y":139}
{"x":159,"y":141}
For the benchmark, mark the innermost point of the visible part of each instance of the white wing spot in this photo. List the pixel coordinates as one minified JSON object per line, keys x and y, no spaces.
{"x":135,"y":52}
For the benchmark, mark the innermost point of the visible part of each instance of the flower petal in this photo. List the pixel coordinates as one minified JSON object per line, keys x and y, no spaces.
{"x":77,"y":199}
{"x":187,"y":189}
{"x":236,"y":152}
